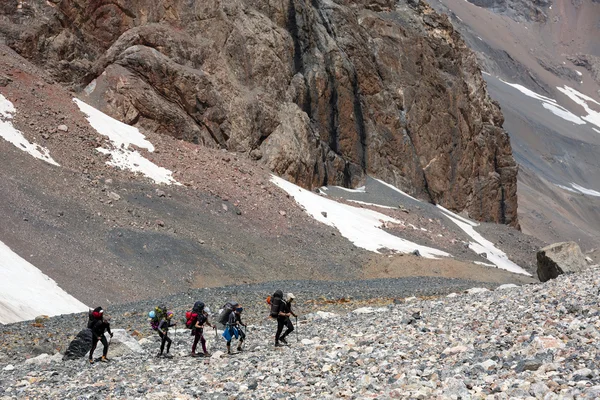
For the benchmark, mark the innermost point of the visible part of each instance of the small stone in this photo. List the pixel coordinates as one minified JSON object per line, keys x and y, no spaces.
{"x":324,"y":213}
{"x":160,"y":223}
{"x":282,"y":213}
{"x":9,"y":367}
{"x":160,"y":193}
{"x":63,"y":128}
{"x":113,"y":196}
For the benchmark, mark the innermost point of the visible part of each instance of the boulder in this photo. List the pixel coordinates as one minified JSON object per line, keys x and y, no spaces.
{"x":44,"y":359}
{"x":80,"y":346}
{"x":558,"y":259}
{"x":122,"y":343}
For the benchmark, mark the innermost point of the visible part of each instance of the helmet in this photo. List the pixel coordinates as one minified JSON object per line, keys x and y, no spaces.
{"x":170,"y":314}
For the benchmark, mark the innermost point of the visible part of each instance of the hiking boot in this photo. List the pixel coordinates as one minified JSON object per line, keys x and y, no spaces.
{"x":207,"y":354}
{"x":240,"y":348}
{"x":91,"y":360}
{"x":158,"y":355}
{"x":282,"y":340}
{"x":104,"y":359}
{"x":277,"y":344}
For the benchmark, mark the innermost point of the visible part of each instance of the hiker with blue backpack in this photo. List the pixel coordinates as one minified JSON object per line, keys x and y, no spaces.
{"x":163,"y":332}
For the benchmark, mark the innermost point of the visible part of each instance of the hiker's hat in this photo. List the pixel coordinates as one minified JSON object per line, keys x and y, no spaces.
{"x":290,"y":296}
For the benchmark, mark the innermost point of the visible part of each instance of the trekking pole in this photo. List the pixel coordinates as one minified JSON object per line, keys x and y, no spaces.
{"x":297,"y":339}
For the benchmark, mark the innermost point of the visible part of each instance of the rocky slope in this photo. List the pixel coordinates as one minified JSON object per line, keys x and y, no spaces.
{"x":535,"y":341}
{"x":318,"y":91}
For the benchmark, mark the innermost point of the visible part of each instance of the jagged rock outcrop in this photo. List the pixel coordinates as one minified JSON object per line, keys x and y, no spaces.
{"x":559,"y":258}
{"x":321,"y":92}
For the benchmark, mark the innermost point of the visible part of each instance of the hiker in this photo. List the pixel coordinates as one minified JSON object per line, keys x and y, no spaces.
{"x":235,"y":320}
{"x":98,"y":324}
{"x":198,"y":332}
{"x":163,"y":332}
{"x":283,"y":319}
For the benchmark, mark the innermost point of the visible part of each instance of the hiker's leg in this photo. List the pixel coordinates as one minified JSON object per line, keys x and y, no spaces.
{"x":290,"y":328}
{"x":169,"y":341}
{"x":280,"y":324}
{"x":94,"y":344}
{"x":105,"y":344}
{"x":162,"y":341}
{"x":203,"y":341}
{"x":197,"y":336}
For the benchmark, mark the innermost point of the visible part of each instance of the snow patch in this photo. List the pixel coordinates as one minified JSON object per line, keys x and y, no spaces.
{"x":372,"y":204}
{"x":578,"y":73}
{"x":25,"y":292}
{"x":482,"y":245}
{"x":568,"y":189}
{"x":593,"y":117}
{"x":359,"y":225}
{"x":397,"y":190}
{"x":122,"y":136}
{"x":361,"y":189}
{"x":15,"y":137}
{"x":596,"y":130}
{"x":583,"y":190}
{"x":548,"y":103}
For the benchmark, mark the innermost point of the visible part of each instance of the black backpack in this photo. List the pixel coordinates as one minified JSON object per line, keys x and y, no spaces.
{"x":198,"y":307}
{"x":227,"y":309}
{"x":276,"y":301}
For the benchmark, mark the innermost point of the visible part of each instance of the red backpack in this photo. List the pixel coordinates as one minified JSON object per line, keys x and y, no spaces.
{"x":190,"y":319}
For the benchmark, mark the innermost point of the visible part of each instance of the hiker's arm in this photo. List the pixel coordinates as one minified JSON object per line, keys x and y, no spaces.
{"x":108,"y":329}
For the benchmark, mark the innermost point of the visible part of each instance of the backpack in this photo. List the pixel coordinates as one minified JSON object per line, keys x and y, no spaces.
{"x":276,"y":300}
{"x":190,"y":319}
{"x":155,"y":316}
{"x":93,"y":316}
{"x":227,"y":309}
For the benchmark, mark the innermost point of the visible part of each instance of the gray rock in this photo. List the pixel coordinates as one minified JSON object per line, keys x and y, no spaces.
{"x":558,"y":259}
{"x":80,"y":346}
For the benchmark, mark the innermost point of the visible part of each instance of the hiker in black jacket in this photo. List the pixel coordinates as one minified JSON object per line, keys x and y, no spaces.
{"x":99,"y":325}
{"x":283,"y":319}
{"x":163,"y":332}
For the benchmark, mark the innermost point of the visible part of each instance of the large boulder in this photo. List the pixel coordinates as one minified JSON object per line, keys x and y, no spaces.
{"x":80,"y":346}
{"x":122,"y":343}
{"x":558,"y":259}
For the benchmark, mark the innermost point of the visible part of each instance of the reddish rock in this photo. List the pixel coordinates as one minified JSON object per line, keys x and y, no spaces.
{"x":321,"y":93}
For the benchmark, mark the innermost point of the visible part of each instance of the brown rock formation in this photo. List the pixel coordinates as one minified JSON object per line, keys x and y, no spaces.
{"x":321,"y":92}
{"x":558,"y":259}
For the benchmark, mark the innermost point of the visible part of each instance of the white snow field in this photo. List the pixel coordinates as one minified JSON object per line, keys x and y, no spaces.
{"x":12,"y":135}
{"x":593,"y":117}
{"x":549,"y":104}
{"x":25,"y":292}
{"x":122,"y":137}
{"x":481,"y":244}
{"x":359,"y":225}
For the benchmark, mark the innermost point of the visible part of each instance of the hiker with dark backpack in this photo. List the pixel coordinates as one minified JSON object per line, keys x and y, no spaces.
{"x":199,"y":319}
{"x":98,"y":325}
{"x":233,"y":329}
{"x":283,"y":319}
{"x":163,"y":332}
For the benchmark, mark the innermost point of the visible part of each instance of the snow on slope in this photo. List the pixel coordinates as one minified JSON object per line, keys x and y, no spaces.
{"x":122,"y":137}
{"x":25,"y":292}
{"x":12,"y":135}
{"x":593,"y":117}
{"x":361,"y":226}
{"x":482,"y":245}
{"x":548,"y":103}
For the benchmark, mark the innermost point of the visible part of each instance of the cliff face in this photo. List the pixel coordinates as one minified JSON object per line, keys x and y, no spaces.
{"x":322,"y":92}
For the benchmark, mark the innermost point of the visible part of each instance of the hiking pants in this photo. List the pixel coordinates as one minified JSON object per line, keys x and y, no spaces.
{"x":281,"y":322}
{"x":95,"y":343}
{"x":290,"y":327}
{"x":164,"y":339}
{"x":241,"y":335}
{"x":199,"y":335}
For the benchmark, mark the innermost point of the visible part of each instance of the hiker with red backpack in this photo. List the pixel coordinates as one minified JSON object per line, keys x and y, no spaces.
{"x":98,"y":325}
{"x":195,"y":320}
{"x":163,"y":331}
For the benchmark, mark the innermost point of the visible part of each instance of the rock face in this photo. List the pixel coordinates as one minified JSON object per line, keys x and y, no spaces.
{"x":320,"y":92}
{"x":80,"y":346}
{"x":558,"y":259}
